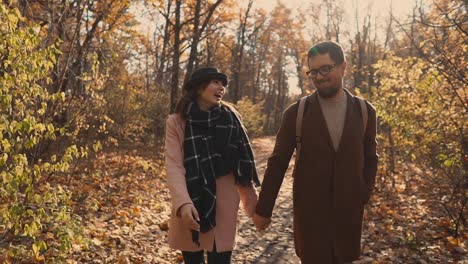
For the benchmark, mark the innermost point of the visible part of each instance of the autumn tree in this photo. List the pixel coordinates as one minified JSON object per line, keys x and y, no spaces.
{"x":421,"y":100}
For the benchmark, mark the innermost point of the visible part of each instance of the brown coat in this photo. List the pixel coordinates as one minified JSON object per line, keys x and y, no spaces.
{"x":330,"y":188}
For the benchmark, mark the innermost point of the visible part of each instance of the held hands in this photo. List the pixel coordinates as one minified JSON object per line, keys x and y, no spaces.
{"x":249,"y":199}
{"x":261,"y":223}
{"x":190,"y":217}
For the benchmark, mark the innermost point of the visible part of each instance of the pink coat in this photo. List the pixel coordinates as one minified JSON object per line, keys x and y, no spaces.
{"x":228,"y":195}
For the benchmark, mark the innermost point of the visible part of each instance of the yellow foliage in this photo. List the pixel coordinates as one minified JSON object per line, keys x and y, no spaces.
{"x":252,"y":116}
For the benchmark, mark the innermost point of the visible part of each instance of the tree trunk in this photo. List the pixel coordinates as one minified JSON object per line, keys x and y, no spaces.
{"x":175,"y":58}
{"x":197,"y":32}
{"x":240,"y":54}
{"x":162,"y":60}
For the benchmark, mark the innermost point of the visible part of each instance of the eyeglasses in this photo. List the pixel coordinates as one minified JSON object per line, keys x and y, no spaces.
{"x":324,"y":70}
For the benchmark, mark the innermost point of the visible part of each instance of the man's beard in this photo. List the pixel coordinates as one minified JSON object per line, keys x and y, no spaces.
{"x":328,"y":92}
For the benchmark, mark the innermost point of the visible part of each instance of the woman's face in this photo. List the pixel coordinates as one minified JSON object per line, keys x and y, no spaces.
{"x":211,"y":95}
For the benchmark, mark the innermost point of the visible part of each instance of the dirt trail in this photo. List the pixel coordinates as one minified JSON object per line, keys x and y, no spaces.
{"x":276,"y":245}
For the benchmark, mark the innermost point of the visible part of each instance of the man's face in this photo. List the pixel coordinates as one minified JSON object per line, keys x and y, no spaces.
{"x":326,"y":74}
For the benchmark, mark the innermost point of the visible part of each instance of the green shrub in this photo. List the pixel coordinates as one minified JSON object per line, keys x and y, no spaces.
{"x":36,"y":221}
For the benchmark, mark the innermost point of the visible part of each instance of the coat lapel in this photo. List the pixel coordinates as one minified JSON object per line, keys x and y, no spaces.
{"x":347,"y":127}
{"x":351,"y":125}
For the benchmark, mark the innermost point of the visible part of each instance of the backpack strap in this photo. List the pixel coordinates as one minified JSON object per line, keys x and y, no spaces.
{"x":364,"y":113}
{"x":300,"y":115}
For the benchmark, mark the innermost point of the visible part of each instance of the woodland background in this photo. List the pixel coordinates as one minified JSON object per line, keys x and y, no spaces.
{"x":85,"y":91}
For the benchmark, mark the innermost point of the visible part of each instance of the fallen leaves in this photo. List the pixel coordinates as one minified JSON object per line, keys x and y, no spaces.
{"x":124,"y":204}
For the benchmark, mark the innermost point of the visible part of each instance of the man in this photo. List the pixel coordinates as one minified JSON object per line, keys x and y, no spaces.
{"x":335,"y":173}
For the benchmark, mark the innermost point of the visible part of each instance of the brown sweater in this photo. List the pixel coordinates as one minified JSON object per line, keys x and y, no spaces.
{"x":334,"y":111}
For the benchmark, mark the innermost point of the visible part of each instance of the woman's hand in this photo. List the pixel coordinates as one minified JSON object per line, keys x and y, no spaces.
{"x":189,"y":215}
{"x":249,"y":199}
{"x":251,"y":204}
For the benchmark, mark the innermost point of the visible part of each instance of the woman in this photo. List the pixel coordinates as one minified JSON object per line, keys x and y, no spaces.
{"x":210,"y":169}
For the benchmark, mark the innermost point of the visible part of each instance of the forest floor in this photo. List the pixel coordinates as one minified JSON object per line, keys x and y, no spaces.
{"x":124,"y":204}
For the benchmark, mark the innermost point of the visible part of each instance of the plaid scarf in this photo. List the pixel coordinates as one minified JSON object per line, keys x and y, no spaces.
{"x":215,"y":144}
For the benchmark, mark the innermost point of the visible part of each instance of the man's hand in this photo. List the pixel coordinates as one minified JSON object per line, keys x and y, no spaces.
{"x":261,"y":223}
{"x":190,"y":217}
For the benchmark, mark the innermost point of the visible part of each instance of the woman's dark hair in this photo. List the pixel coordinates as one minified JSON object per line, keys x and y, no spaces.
{"x":189,"y":96}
